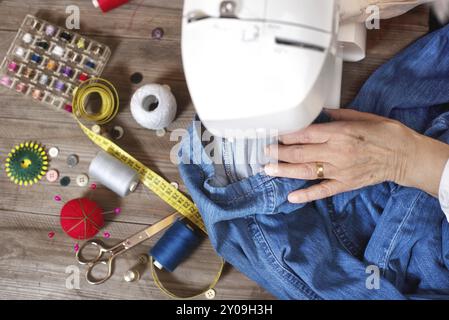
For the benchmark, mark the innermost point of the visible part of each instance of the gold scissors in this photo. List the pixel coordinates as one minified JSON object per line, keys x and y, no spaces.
{"x":106,"y":255}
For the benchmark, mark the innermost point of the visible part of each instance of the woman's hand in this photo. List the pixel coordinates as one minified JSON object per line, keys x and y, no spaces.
{"x":357,"y":150}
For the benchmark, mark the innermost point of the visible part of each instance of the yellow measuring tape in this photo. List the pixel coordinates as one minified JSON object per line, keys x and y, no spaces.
{"x":149,"y":178}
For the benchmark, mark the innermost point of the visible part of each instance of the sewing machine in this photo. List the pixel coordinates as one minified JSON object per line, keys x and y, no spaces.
{"x":265,"y":67}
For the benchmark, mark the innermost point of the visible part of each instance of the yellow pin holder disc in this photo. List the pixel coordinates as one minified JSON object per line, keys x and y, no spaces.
{"x":26,"y":164}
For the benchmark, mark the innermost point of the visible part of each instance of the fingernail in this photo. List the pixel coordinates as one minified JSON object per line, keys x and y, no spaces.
{"x":270,"y":170}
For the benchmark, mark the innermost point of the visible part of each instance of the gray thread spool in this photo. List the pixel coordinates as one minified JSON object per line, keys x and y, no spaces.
{"x":113,"y":174}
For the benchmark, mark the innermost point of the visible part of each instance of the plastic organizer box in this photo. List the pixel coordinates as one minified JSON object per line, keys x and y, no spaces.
{"x":47,"y":63}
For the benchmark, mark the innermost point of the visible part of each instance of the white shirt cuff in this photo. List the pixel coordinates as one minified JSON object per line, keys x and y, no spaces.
{"x":444,"y":191}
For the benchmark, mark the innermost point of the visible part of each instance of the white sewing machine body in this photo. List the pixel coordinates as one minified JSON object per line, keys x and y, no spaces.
{"x":263,"y":67}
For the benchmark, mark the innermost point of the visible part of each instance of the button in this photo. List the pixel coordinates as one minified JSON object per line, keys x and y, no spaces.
{"x":52,"y":176}
{"x":72,"y":160}
{"x":117,"y":132}
{"x":160,"y":133}
{"x":210,"y":294}
{"x":157,"y":33}
{"x":82,"y":180}
{"x":53,"y":152}
{"x":96,"y":129}
{"x":65,"y":181}
{"x":136,"y":78}
{"x":175,"y":185}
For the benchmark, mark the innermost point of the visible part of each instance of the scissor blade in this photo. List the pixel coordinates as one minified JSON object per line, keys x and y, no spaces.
{"x":161,"y":225}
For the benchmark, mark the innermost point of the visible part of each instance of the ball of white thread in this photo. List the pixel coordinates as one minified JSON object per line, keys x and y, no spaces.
{"x":153,"y":106}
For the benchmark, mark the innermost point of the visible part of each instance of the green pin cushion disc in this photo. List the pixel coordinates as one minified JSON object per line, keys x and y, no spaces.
{"x":27,"y":163}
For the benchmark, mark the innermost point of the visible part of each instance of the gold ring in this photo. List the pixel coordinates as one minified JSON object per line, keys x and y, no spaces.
{"x":320,"y":170}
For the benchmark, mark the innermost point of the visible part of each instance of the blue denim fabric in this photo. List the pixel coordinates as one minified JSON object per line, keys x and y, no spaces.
{"x":321,"y":250}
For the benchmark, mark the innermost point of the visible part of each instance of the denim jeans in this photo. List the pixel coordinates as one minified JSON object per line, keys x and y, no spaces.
{"x":327,"y":249}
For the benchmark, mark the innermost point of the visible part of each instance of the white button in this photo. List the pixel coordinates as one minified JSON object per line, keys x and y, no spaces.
{"x":82,"y":180}
{"x":175,"y":185}
{"x":53,"y":152}
{"x":160,"y":133}
{"x":210,"y":294}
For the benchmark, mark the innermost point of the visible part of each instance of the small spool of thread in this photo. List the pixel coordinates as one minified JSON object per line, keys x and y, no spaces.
{"x":90,"y":64}
{"x":52,"y":65}
{"x":36,"y":58}
{"x":177,"y":243}
{"x":58,"y":51}
{"x":27,"y":38}
{"x":81,"y":43}
{"x":37,"y":94}
{"x":21,"y":87}
{"x":153,"y":106}
{"x":113,"y":174}
{"x":67,"y":71}
{"x":43,"y":80}
{"x":13,"y":66}
{"x":20,"y":52}
{"x":108,"y":5}
{"x":43,"y":44}
{"x":50,"y":30}
{"x":6,"y":81}
{"x":83,"y":77}
{"x":66,"y":36}
{"x":29,"y":73}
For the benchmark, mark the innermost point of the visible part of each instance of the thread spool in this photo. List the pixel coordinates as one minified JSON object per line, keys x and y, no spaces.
{"x":13,"y":66}
{"x":50,"y":30}
{"x":177,"y":243}
{"x":153,"y":106}
{"x":43,"y":79}
{"x":113,"y":174}
{"x":6,"y":81}
{"x":60,"y":85}
{"x":108,"y":5}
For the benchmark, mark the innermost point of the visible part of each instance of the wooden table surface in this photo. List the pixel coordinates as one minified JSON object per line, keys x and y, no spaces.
{"x":33,"y":266}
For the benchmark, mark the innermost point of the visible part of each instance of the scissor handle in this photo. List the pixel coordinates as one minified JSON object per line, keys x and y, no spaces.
{"x":89,"y":273}
{"x":94,"y":244}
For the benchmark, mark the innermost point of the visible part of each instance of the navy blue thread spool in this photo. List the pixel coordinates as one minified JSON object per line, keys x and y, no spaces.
{"x":177,"y":243}
{"x":90,"y":64}
{"x":36,"y":58}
